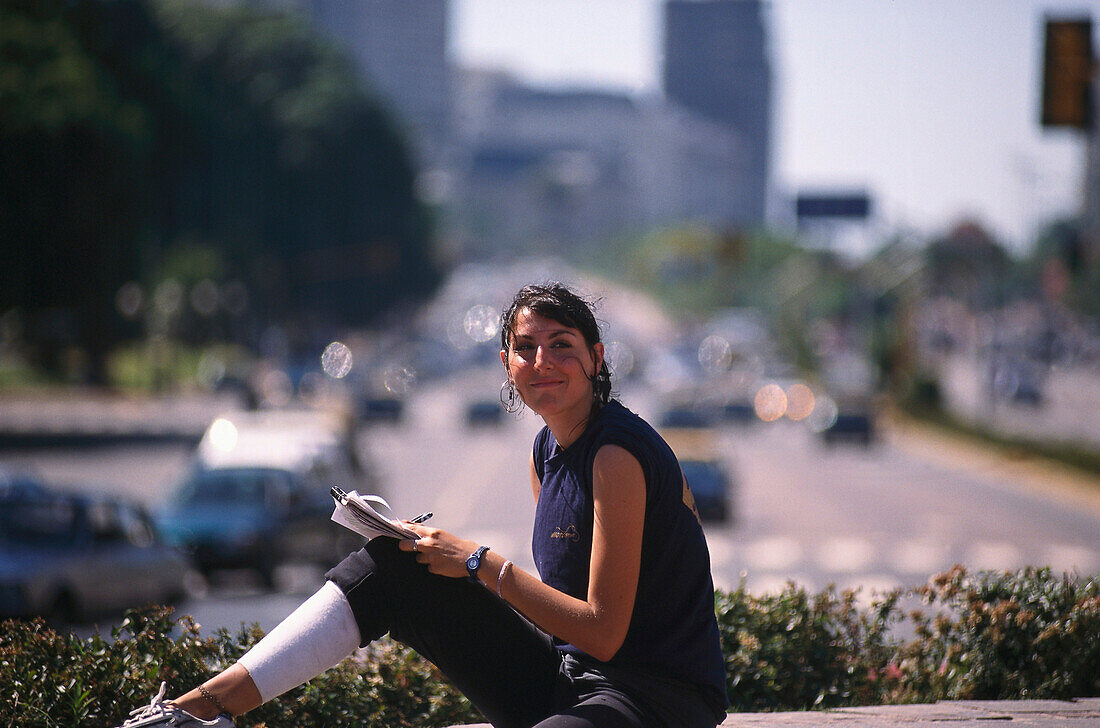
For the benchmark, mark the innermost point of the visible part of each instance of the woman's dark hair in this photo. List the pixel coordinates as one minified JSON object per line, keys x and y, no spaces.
{"x":557,"y":303}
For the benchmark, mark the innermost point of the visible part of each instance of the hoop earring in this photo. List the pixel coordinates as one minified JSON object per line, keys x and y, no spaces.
{"x":509,"y":399}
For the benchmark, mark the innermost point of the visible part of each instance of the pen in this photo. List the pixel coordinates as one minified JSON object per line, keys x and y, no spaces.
{"x":422,"y":517}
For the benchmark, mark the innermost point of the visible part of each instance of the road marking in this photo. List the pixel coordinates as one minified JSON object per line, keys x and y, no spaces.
{"x":1068,"y":557}
{"x":773,"y":552}
{"x":921,"y":556}
{"x":767,"y":582}
{"x":844,"y":554}
{"x":992,"y":556}
{"x":723,"y":551}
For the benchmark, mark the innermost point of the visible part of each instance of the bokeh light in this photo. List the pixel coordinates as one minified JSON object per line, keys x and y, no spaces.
{"x":211,"y":369}
{"x":619,"y":358}
{"x":276,"y":388}
{"x":129,"y":300}
{"x":481,"y":322}
{"x":168,"y":297}
{"x":398,"y":379}
{"x":223,"y":435}
{"x":770,"y":402}
{"x":204,"y":297}
{"x":715,"y":354}
{"x":824,"y":414}
{"x":336,"y":360}
{"x":800,"y":401}
{"x":313,"y":388}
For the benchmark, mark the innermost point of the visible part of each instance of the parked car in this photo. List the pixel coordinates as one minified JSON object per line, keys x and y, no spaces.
{"x":258,"y":494}
{"x":71,"y":558}
{"x":16,"y":484}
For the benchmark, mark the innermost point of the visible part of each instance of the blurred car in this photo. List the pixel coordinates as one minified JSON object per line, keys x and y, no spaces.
{"x":258,"y":494}
{"x":16,"y":484}
{"x":381,"y":409}
{"x":704,"y":465}
{"x":686,"y":417}
{"x":482,"y":413}
{"x":710,"y":484}
{"x":740,"y":412}
{"x":854,"y":423}
{"x":70,"y":558}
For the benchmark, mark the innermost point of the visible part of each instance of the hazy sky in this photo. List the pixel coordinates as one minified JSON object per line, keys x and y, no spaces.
{"x":932,"y":105}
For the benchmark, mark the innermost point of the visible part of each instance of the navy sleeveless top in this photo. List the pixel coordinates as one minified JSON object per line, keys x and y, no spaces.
{"x":673,"y":632}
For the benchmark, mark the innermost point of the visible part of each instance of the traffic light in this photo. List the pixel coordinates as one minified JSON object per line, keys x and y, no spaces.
{"x":1067,"y":74}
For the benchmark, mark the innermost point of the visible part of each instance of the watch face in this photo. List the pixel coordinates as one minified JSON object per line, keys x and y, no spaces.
{"x":472,"y":563}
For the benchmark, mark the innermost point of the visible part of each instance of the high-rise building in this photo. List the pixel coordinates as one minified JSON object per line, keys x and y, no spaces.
{"x":401,"y":48}
{"x":716,"y":64}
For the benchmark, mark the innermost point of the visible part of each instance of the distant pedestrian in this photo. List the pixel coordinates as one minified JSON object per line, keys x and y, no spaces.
{"x":618,"y":628}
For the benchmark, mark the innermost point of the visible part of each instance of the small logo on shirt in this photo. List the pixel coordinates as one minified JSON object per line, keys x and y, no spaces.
{"x":569,"y":533}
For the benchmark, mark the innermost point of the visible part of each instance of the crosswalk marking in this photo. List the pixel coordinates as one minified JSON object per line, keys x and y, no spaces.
{"x":875,"y":562}
{"x":845,"y":554}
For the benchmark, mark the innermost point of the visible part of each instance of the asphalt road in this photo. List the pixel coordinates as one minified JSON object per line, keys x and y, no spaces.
{"x":880,"y":517}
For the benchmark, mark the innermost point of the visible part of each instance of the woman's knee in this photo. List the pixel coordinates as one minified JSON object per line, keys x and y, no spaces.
{"x":375,"y":580}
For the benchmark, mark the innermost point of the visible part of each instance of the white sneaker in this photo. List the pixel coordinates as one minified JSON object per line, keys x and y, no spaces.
{"x":158,"y":713}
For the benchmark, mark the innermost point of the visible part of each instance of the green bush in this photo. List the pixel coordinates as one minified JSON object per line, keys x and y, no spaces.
{"x":1012,"y":635}
{"x":50,"y":679}
{"x":797,"y":651}
{"x":1028,"y":634}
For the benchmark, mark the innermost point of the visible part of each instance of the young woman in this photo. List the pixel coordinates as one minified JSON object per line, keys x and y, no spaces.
{"x":617,"y":629}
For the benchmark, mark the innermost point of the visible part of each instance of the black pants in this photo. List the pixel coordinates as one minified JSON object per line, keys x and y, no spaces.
{"x":502,"y":663}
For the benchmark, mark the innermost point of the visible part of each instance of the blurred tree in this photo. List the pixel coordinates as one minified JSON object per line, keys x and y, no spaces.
{"x":295,"y":170}
{"x":127,"y":130}
{"x":968,"y":264}
{"x":72,"y":153}
{"x":1062,"y":255}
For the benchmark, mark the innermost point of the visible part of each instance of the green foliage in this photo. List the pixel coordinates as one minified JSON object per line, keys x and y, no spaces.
{"x":1028,"y":634}
{"x":794,"y":650}
{"x":1031,"y":634}
{"x":131,"y":127}
{"x":49,"y":679}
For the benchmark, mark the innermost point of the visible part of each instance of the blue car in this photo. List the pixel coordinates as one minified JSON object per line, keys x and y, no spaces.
{"x":252,"y":518}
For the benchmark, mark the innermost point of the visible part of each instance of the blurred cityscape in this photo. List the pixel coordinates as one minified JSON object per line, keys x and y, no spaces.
{"x":213,"y":209}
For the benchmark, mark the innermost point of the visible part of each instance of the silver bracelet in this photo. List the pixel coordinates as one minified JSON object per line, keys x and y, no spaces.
{"x":500,"y":578}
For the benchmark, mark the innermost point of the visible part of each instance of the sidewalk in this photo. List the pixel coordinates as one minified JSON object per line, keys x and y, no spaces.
{"x":75,"y":417}
{"x":1084,"y":713}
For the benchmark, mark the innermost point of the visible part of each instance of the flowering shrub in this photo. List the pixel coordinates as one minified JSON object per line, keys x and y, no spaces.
{"x":1029,"y":634}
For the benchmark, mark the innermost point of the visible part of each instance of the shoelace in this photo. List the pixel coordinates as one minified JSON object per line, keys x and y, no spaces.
{"x":155,"y":706}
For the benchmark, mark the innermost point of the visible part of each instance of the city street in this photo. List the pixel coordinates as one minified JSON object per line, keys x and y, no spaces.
{"x":885,"y":516}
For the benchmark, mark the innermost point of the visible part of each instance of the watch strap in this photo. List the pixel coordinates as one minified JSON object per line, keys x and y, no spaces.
{"x":473,"y":563}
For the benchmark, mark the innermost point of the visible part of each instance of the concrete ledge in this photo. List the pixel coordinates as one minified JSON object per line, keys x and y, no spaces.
{"x":1081,"y":713}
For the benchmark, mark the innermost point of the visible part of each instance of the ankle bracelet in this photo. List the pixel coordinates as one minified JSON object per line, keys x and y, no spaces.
{"x":210,"y":696}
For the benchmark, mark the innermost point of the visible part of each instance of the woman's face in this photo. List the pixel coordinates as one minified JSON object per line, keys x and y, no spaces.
{"x":552,"y":366}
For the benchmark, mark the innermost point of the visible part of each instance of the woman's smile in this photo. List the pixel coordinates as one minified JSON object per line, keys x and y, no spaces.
{"x":552,"y":367}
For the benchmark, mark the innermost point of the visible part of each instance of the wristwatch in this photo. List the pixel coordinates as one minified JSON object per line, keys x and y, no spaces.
{"x":473,"y":563}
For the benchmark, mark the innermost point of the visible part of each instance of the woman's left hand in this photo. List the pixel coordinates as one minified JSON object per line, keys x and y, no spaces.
{"x":442,"y":552}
